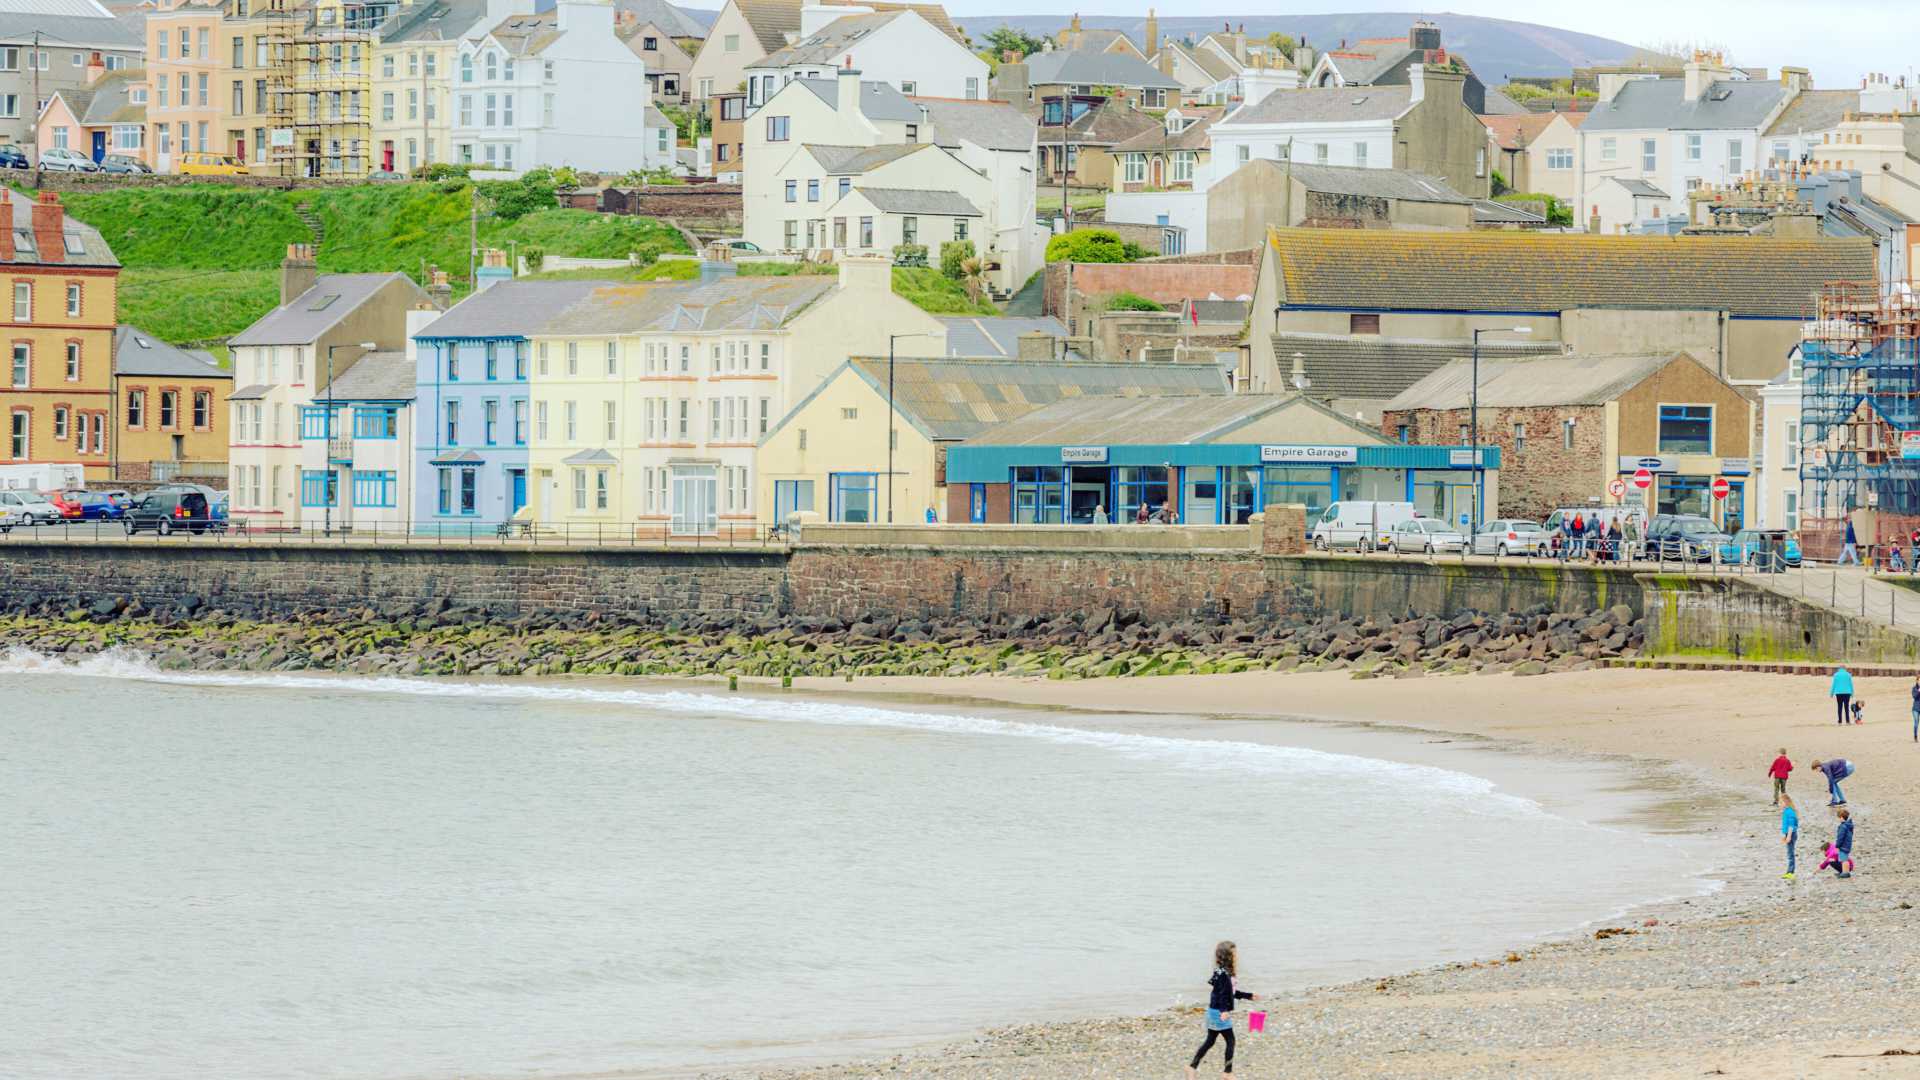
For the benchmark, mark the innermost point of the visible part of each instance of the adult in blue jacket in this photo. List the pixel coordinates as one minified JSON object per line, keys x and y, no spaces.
{"x":1835,"y":771}
{"x":1842,"y":691}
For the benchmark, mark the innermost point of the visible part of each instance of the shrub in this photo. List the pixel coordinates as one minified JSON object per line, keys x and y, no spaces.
{"x":909,"y":254}
{"x":1088,"y":245}
{"x":442,"y":170}
{"x":514,"y":199}
{"x":953,"y":257}
{"x":1129,"y":301}
{"x":535,"y":258}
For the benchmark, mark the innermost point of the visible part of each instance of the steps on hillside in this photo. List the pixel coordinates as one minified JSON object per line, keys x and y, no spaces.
{"x":304,"y":211}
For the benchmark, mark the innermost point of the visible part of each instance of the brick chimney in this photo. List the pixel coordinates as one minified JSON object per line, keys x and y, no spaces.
{"x":96,"y":67}
{"x":298,"y":273}
{"x":48,"y":218}
{"x":1153,"y":32}
{"x":6,"y":226}
{"x":440,"y":289}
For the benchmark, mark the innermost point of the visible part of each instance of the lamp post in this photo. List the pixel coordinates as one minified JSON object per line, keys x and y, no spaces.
{"x":891,"y":338}
{"x":326,"y":440}
{"x":1473,"y":412}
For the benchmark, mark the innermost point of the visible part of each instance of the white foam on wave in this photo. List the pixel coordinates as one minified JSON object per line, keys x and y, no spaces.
{"x":1198,"y":754}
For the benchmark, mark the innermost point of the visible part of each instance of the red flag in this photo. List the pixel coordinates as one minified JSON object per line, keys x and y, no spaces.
{"x":1193,"y":312}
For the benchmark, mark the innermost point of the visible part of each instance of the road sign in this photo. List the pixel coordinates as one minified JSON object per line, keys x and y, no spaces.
{"x":1643,"y":479}
{"x":1721,"y":487}
{"x":1616,"y":487}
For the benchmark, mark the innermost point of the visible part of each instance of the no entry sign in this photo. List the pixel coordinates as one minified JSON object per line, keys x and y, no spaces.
{"x":1720,"y":487}
{"x":1643,"y":479}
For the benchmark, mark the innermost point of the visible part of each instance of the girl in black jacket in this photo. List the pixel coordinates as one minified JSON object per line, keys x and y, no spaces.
{"x":1220,"y":1006}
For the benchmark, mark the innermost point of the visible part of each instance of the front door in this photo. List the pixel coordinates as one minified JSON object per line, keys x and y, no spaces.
{"x":386,"y":156}
{"x":517,"y":485}
{"x":1159,"y":172}
{"x":240,"y":148}
{"x":1203,"y":497}
{"x":99,"y":145}
{"x":694,"y":505}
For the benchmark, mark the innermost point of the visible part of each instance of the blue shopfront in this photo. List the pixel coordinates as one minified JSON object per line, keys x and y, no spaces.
{"x":1209,"y":484}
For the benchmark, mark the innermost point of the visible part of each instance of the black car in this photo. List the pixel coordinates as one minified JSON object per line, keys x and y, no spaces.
{"x":172,"y":509}
{"x":1683,"y":536}
{"x":121,"y":163}
{"x":13,"y":157}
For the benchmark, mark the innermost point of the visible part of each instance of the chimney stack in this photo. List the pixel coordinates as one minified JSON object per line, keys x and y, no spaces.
{"x":6,"y":226}
{"x":48,"y":224}
{"x":1036,"y":345}
{"x":847,"y":92}
{"x":1153,"y":32}
{"x":866,"y":273}
{"x":96,"y":67}
{"x":440,"y":289}
{"x":298,"y":273}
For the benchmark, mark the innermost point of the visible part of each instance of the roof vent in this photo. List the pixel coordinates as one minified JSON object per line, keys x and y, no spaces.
{"x":1721,"y":94}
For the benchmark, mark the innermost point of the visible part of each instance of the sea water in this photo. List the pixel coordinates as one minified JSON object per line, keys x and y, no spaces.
{"x":281,"y":876}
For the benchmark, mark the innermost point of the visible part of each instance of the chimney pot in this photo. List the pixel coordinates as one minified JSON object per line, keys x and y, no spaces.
{"x":48,"y":221}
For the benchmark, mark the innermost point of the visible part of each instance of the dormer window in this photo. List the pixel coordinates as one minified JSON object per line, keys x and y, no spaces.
{"x":493,"y":66}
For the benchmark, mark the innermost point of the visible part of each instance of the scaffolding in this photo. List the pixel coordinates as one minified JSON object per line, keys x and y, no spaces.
{"x":319,"y":87}
{"x":1860,"y":416}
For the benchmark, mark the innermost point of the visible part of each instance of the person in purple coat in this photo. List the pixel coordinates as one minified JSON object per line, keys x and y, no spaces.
{"x":1835,"y":770}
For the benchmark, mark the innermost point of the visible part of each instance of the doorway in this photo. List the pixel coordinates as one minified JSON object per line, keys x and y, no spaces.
{"x":1203,"y":497}
{"x":1088,"y":495}
{"x":386,"y":156}
{"x":517,"y":486}
{"x":694,"y":490}
{"x":1159,"y":172}
{"x":99,"y":146}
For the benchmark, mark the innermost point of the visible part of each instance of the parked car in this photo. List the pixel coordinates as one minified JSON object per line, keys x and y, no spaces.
{"x":13,"y":156}
{"x":1424,"y":535}
{"x":59,"y":160}
{"x":33,"y":507}
{"x":1510,"y":537}
{"x":1755,"y":547}
{"x":101,"y":506}
{"x":211,"y":165}
{"x":384,"y":176}
{"x":169,"y":510}
{"x":68,"y":503}
{"x":122,"y":163}
{"x":1684,"y":536}
{"x":1358,"y":523}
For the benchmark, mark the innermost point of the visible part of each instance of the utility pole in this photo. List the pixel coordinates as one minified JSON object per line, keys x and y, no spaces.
{"x":426,"y":129}
{"x":473,"y":233}
{"x":34,"y":60}
{"x":1066,"y":154}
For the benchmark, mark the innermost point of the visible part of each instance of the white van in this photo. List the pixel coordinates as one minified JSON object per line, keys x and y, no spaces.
{"x":1359,"y":523}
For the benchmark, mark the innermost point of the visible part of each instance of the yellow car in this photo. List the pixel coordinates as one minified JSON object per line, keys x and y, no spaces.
{"x":211,"y":165}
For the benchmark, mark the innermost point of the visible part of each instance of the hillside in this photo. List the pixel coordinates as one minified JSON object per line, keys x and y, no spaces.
{"x":1498,"y":49}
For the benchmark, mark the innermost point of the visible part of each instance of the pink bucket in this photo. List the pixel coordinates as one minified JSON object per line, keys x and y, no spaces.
{"x":1256,"y":1021}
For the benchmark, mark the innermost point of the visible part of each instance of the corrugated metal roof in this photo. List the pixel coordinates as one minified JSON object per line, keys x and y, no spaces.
{"x":386,"y":375}
{"x":1661,"y":105}
{"x":136,"y":352}
{"x":509,"y":309}
{"x":1368,"y":366}
{"x":1161,"y":420}
{"x":314,"y":312}
{"x":956,"y":397}
{"x":1580,"y":379}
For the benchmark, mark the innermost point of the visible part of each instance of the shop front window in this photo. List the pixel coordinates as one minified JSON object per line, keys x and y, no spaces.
{"x":1312,"y":488}
{"x":1444,"y":495}
{"x":1685,"y":495}
{"x":1135,"y":486}
{"x":1243,"y":493}
{"x":1039,"y":495}
{"x":1384,"y":485}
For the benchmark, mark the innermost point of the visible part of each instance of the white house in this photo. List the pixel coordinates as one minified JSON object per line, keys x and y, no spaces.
{"x":1676,"y":134}
{"x":899,"y":48}
{"x":366,"y":453}
{"x":548,"y":89}
{"x":1776,"y":476}
{"x":1319,"y":126}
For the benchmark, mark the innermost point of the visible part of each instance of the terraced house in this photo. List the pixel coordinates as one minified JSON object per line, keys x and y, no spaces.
{"x":61,"y":303}
{"x":171,"y":410}
{"x":649,"y":400}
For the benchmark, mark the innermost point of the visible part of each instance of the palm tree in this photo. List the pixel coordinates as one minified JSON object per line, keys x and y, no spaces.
{"x":973,"y":275}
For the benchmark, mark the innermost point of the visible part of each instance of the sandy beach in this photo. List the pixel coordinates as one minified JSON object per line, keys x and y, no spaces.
{"x":1766,"y":978}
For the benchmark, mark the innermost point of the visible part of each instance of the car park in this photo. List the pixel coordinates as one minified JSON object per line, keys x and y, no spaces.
{"x":13,"y":156}
{"x":32,"y":507}
{"x":1424,"y":535}
{"x":1684,"y":537}
{"x":1510,"y":536}
{"x":1756,"y":547}
{"x":170,"y":510}
{"x":122,"y":163}
{"x":58,"y":159}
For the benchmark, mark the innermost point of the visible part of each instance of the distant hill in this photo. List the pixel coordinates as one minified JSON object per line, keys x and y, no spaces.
{"x":1498,"y":49}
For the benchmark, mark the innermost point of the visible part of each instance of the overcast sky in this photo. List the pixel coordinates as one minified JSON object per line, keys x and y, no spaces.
{"x":1839,"y":40}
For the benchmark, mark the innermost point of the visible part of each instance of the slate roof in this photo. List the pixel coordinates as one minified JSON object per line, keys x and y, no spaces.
{"x":1099,"y":39}
{"x":136,"y":352}
{"x":991,"y":125}
{"x":250,"y":393}
{"x":1218,"y":311}
{"x":92,"y":249}
{"x":728,"y":303}
{"x":1193,"y":137}
{"x":771,"y":21}
{"x":828,"y":44}
{"x":671,"y":20}
{"x":69,"y":24}
{"x":508,"y":309}
{"x":1815,"y":110}
{"x":527,"y":35}
{"x":1640,"y":189}
{"x":1166,"y":419}
{"x":978,"y":335}
{"x":1216,"y":66}
{"x":440,"y":20}
{"x":1333,"y":104}
{"x":110,"y":104}
{"x":1579,"y":379}
{"x":386,"y":375}
{"x":913,"y":201}
{"x":1402,"y":184}
{"x":878,"y":100}
{"x":1106,"y":124}
{"x":1371,"y":366}
{"x":854,"y":160}
{"x":1660,"y":105}
{"x":1083,"y":67}
{"x":1385,"y":270}
{"x":1499,"y":104}
{"x":1495,"y":212}
{"x":311,"y":314}
{"x":958,"y":397}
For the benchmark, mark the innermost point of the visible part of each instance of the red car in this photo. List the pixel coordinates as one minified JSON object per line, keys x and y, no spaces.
{"x":71,"y":504}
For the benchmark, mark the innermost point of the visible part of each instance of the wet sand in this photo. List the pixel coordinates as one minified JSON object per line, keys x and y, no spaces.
{"x":1816,"y":978}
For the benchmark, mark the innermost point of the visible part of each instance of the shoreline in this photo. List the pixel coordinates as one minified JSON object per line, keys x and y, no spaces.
{"x":1564,"y":1002}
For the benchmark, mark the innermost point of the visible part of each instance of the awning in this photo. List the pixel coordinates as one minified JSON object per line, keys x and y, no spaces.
{"x":590,"y":457}
{"x":463,"y":457}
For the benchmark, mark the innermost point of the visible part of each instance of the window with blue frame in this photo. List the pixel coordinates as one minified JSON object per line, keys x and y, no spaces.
{"x":373,"y":488}
{"x":1243,"y":490}
{"x":1137,"y":485}
{"x":376,"y":421}
{"x":520,"y":360}
{"x":1039,"y":495}
{"x":790,"y":496}
{"x":319,"y":488}
{"x":453,"y":362}
{"x":977,"y":503}
{"x":459,"y":491}
{"x":453,"y":423}
{"x":1310,"y":487}
{"x":313,"y":422}
{"x":855,"y":497}
{"x":493,"y":360}
{"x":490,"y":420}
{"x":1686,"y":429}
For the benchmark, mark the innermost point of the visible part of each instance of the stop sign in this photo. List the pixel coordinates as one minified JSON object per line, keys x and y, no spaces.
{"x":1720,"y":487}
{"x":1643,"y":479}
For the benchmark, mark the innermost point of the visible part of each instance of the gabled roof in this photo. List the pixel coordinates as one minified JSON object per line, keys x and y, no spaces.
{"x":1192,"y":137}
{"x":110,"y":102}
{"x":69,"y":24}
{"x":1815,"y":110}
{"x":1084,"y":67}
{"x":960,"y":397}
{"x":1578,"y":379}
{"x":596,"y":456}
{"x":81,"y":244}
{"x":830,"y":43}
{"x":730,"y":303}
{"x":771,"y":21}
{"x":854,"y":160}
{"x":1215,"y":66}
{"x":990,"y":125}
{"x":933,"y":13}
{"x":1661,"y":105}
{"x":386,"y":375}
{"x":508,"y":309}
{"x":1386,"y":270}
{"x":1515,"y":132}
{"x":914,"y":201}
{"x":878,"y":100}
{"x":136,"y":352}
{"x":307,"y":317}
{"x":438,"y":20}
{"x":1402,"y":184}
{"x":986,"y":335}
{"x":1372,"y":367}
{"x":1320,"y":105}
{"x":1105,"y":124}
{"x":1165,"y":419}
{"x":670,"y":19}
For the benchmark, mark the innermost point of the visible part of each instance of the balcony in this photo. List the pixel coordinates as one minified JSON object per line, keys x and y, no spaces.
{"x":340,"y":450}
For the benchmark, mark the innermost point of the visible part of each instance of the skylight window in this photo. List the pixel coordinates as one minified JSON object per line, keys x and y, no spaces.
{"x":75,"y":246}
{"x":143,"y":342}
{"x":324,"y":302}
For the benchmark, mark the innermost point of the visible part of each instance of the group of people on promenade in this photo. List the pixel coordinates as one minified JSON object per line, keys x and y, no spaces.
{"x":1583,"y":536}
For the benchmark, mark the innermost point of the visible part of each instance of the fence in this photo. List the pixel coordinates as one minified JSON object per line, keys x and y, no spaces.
{"x":511,"y":534}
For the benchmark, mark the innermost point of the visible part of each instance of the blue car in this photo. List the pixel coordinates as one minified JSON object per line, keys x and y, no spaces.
{"x":1749,"y":547}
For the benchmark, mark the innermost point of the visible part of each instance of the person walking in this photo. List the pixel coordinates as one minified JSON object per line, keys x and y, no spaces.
{"x":1843,"y":842}
{"x":1915,"y":692}
{"x":1835,"y":771}
{"x":1632,"y":538}
{"x":1789,"y":831}
{"x":1614,"y":537}
{"x":1782,"y":767}
{"x":1579,"y":535}
{"x":1842,"y":690}
{"x":1850,"y":547}
{"x":1220,"y":1001}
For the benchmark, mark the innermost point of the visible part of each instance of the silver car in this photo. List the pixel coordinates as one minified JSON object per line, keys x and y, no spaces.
{"x":1510,"y":537}
{"x":28,"y":508}
{"x":59,"y":159}
{"x":1424,"y":535}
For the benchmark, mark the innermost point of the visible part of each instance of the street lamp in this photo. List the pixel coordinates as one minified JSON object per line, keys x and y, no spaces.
{"x":891,"y":338}
{"x":327,"y":439}
{"x":1479,"y":479}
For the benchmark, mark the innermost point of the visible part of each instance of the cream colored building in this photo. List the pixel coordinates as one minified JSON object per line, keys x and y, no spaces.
{"x":1537,"y":153}
{"x":413,"y":71}
{"x":743,"y":33}
{"x":649,"y":400}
